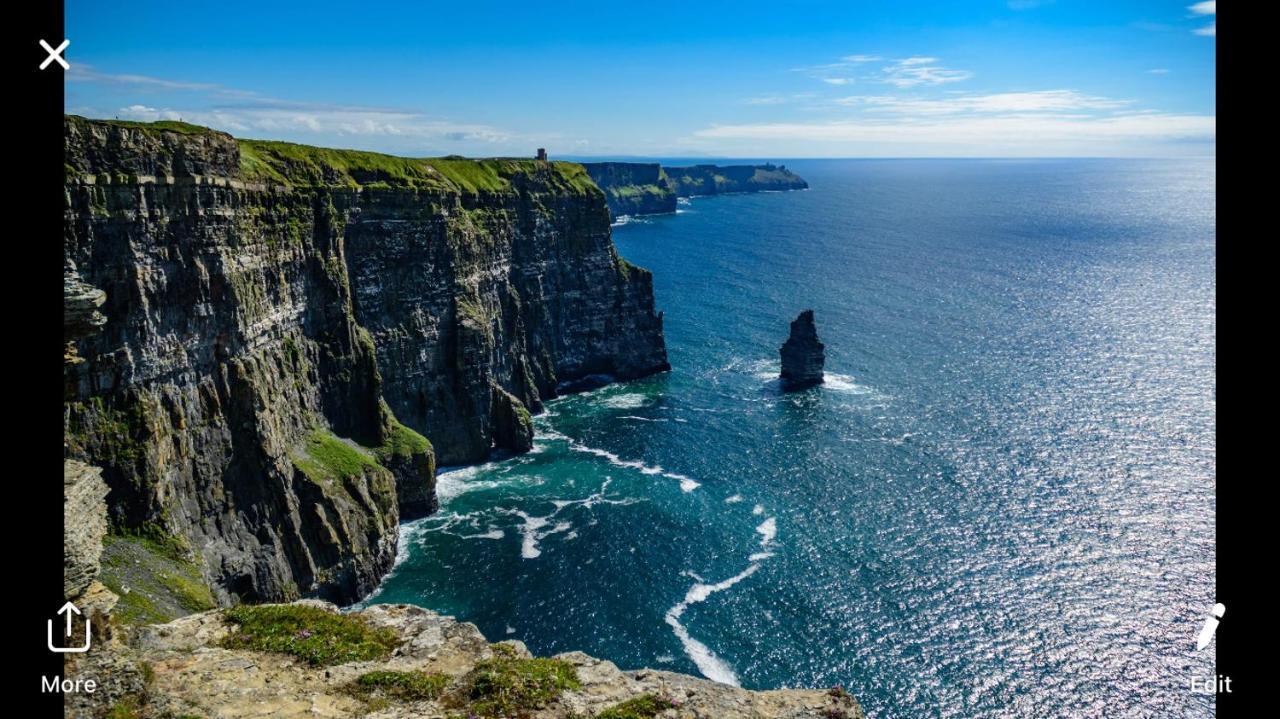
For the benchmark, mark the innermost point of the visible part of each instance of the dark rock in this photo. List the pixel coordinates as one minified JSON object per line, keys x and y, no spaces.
{"x":512,"y":424}
{"x":253,"y":318}
{"x":802,"y":354}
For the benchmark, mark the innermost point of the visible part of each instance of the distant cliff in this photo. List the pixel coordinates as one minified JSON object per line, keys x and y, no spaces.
{"x":633,"y":188}
{"x":294,"y":336}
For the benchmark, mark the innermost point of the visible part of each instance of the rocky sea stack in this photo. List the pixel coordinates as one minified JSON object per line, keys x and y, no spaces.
{"x":802,"y":354}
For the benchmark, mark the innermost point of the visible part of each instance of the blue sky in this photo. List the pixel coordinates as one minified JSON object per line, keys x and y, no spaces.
{"x":735,"y":79}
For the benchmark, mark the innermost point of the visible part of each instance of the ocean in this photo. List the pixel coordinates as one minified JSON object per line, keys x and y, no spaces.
{"x":999,"y":504}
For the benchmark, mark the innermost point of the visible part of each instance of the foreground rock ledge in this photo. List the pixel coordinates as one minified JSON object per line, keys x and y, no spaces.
{"x":191,"y":675}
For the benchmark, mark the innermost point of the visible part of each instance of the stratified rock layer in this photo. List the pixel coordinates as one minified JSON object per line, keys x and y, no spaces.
{"x":285,"y":323}
{"x":192,"y":674}
{"x":802,"y":354}
{"x":646,"y":188}
{"x":84,"y":515}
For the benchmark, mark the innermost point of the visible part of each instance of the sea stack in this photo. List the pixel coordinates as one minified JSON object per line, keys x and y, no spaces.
{"x":802,"y":356}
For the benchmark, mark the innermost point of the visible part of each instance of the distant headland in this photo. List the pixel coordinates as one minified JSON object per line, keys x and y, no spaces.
{"x":648,"y":188}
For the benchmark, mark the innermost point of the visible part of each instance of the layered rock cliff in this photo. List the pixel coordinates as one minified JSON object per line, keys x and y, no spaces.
{"x":637,"y":188}
{"x":294,"y":337}
{"x":634,"y":188}
{"x":720,"y":179}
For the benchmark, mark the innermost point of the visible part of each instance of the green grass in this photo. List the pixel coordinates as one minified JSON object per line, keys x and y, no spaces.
{"x":403,"y":686}
{"x":329,"y":457}
{"x":402,"y":442}
{"x":182,"y":128}
{"x":286,"y":162}
{"x":319,"y":637}
{"x":129,"y":707}
{"x":506,"y":686}
{"x":154,"y":582}
{"x":645,"y":706}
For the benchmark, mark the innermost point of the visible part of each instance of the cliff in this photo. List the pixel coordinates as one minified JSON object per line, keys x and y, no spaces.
{"x":633,"y":188}
{"x":644,"y":188}
{"x":699,"y":180}
{"x":394,"y":662}
{"x":294,"y":336}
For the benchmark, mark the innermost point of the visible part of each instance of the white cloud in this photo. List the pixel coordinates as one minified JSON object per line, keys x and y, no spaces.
{"x":1002,"y":102}
{"x":837,"y":80}
{"x":321,"y":119}
{"x":1205,"y":8}
{"x":1159,"y":71}
{"x":915,"y":71}
{"x":860,"y":58}
{"x":1011,"y":134}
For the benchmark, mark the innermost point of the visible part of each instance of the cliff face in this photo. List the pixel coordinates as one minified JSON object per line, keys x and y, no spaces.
{"x":285,"y":324}
{"x":715,"y":180}
{"x":634,"y":188}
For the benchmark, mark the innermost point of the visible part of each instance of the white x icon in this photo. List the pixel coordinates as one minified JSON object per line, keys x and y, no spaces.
{"x":55,"y":55}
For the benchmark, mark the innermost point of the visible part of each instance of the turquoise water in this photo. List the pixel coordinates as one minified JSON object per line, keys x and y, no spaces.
{"x":1001,"y":503}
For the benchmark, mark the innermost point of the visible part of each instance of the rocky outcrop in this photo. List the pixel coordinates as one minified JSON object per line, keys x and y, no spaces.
{"x":802,"y":354}
{"x":192,"y":672}
{"x":634,"y":188}
{"x":699,"y":180}
{"x":637,"y":188}
{"x":286,"y":324}
{"x":84,"y":524}
{"x":80,"y":315}
{"x":512,"y":424}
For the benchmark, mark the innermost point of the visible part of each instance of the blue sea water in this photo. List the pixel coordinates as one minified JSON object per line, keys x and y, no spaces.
{"x":1000,"y":504}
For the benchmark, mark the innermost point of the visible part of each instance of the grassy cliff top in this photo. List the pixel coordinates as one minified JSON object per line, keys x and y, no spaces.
{"x":306,"y":165}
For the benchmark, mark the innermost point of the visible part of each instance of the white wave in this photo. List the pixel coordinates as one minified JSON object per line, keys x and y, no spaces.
{"x":767,"y":530}
{"x":844,"y":383}
{"x":642,"y":419}
{"x":529,"y":533}
{"x":451,"y":483}
{"x":511,"y":629}
{"x":625,"y":401}
{"x":757,"y":510}
{"x":664,"y":659}
{"x":686,"y":484}
{"x":711,"y":666}
{"x":760,"y":556}
{"x":532,"y":528}
{"x":734,"y":499}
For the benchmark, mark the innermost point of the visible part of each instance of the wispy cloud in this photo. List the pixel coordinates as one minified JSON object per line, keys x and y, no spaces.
{"x":244,"y":112}
{"x":1007,"y":134}
{"x":1159,"y":71}
{"x":904,"y":72}
{"x":322,"y":120}
{"x":1003,"y":102}
{"x":1027,"y":4}
{"x":914,"y":71}
{"x":1206,"y":8}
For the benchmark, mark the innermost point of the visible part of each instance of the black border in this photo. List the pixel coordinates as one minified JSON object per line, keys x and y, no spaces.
{"x":34,"y":195}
